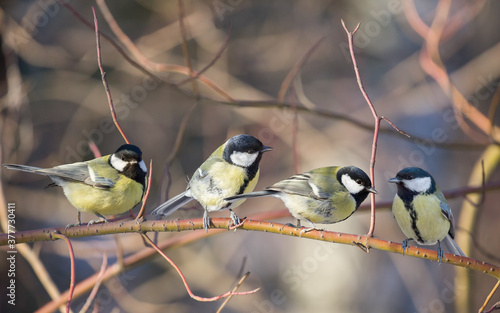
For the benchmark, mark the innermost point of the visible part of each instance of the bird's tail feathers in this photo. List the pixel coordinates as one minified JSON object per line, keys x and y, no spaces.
{"x":172,"y":204}
{"x":452,"y":246}
{"x":24,"y":168}
{"x":254,"y":194}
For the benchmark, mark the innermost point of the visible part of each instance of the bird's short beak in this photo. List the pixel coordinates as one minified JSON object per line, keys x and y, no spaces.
{"x":266,"y":148}
{"x":371,"y":190}
{"x":394,"y":180}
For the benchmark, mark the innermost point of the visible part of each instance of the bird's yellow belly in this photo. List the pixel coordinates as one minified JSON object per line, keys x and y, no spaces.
{"x":320,"y":211}
{"x":116,"y":200}
{"x":431,"y":223}
{"x":212,"y":192}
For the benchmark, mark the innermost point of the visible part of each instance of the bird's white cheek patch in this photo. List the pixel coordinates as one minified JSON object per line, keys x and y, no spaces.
{"x":118,"y":164}
{"x":421,"y":184}
{"x":143,"y":166}
{"x":352,"y":186}
{"x":243,"y":159}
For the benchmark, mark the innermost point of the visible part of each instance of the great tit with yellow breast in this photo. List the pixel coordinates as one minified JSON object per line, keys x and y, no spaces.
{"x":230,"y":170}
{"x":324,"y":195}
{"x":109,"y":185}
{"x":422,"y":212}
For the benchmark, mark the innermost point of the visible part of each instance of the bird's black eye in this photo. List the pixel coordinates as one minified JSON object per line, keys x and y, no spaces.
{"x":123,"y":158}
{"x":359,"y":181}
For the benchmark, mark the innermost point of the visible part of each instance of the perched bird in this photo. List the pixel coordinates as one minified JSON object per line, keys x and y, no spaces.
{"x":422,"y":212}
{"x":324,"y":195}
{"x":108,"y":185}
{"x":231,"y":170}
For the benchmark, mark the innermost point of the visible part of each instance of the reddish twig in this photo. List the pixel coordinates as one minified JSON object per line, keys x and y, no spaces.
{"x":350,"y":36}
{"x":146,"y":195}
{"x":72,"y":258}
{"x":103,"y":76}
{"x":159,"y":67}
{"x":432,"y":64}
{"x":95,"y":150}
{"x":195,"y":297}
{"x":377,"y":124}
{"x":234,"y":290}
{"x":93,"y":293}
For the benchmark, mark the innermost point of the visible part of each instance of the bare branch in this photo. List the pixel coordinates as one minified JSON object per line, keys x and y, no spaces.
{"x":103,"y":76}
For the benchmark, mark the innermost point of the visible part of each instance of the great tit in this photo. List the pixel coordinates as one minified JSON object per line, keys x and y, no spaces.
{"x":324,"y":195}
{"x":422,"y":212}
{"x":108,"y":185}
{"x":230,"y":170}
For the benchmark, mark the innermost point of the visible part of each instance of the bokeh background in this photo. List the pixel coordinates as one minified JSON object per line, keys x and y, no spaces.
{"x":53,"y":103}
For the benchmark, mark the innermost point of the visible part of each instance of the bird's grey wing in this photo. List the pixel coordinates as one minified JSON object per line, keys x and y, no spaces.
{"x":79,"y":172}
{"x":446,"y":210}
{"x":75,"y":172}
{"x":299,"y":184}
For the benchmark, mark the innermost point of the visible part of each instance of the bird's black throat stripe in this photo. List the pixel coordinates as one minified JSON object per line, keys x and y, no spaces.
{"x":407,"y":198}
{"x":251,"y":171}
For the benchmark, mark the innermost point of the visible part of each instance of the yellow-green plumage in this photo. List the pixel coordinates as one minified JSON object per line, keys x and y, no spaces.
{"x":327,"y":202}
{"x":422,"y":212}
{"x":120,"y":198}
{"x":224,"y":180}
{"x":231,"y":169}
{"x":431,"y":222}
{"x":107,"y":185}
{"x":325,"y":195}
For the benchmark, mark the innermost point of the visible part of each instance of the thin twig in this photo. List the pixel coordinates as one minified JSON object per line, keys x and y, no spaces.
{"x":350,"y":36}
{"x":377,"y":118}
{"x":103,"y":76}
{"x":432,"y":64}
{"x":488,"y":298}
{"x":95,"y":150}
{"x":495,"y":307}
{"x":234,"y":290}
{"x":296,"y":69}
{"x":118,"y":48}
{"x":191,"y":294}
{"x":93,"y":293}
{"x":146,"y":196}
{"x":185,"y":50}
{"x":72,"y":258}
{"x":166,"y":181}
{"x":495,"y":101}
{"x":295,"y":137}
{"x":195,"y":75}
{"x":145,"y":63}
